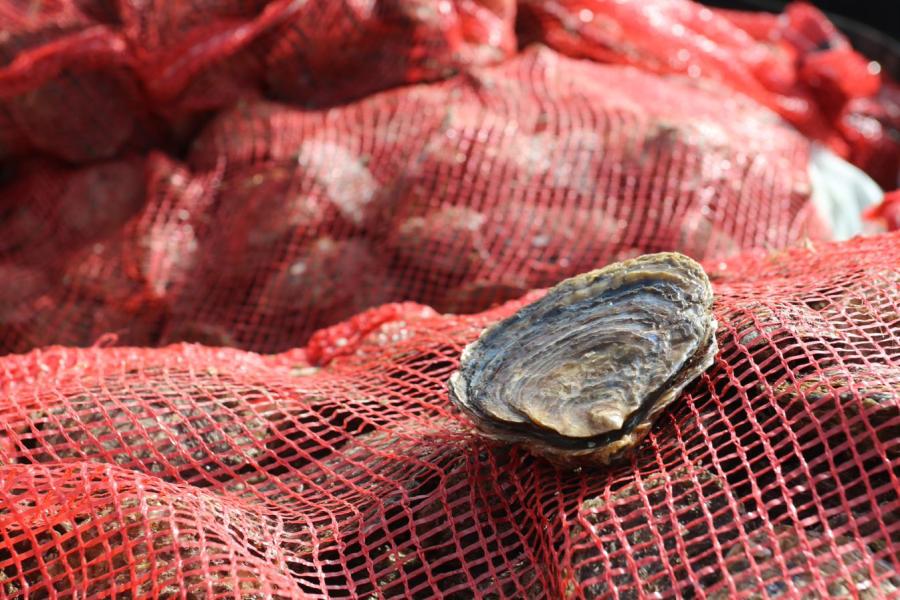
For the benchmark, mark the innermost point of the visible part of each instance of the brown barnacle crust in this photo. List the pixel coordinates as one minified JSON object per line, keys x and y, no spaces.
{"x":580,"y":375}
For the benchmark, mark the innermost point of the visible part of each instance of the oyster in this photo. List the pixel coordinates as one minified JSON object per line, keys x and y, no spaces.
{"x":789,"y":561}
{"x":145,"y":538}
{"x":640,"y":526}
{"x":581,"y":374}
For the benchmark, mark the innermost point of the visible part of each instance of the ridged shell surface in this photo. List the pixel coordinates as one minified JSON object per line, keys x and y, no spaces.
{"x":580,"y":375}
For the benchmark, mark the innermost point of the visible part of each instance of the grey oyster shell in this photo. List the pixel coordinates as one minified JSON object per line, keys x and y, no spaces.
{"x":581,"y":374}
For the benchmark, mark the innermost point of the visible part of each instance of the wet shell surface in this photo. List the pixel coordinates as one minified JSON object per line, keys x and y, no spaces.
{"x":581,"y":374}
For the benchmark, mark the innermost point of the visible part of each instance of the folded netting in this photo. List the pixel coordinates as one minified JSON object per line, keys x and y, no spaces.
{"x":341,"y":469}
{"x":329,"y":51}
{"x":65,"y":85}
{"x":796,"y":63}
{"x":85,"y":80}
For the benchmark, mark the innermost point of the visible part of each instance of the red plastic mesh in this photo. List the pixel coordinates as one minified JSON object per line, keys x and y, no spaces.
{"x":198,"y":472}
{"x":457,"y":195}
{"x":331,"y":51}
{"x":796,"y":63}
{"x":340,"y":469}
{"x":107,"y":259}
{"x":85,"y":80}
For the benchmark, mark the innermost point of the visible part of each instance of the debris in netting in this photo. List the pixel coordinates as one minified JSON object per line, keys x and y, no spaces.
{"x":215,"y":470}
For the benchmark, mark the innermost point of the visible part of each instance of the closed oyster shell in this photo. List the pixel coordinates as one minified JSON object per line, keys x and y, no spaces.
{"x":581,"y":374}
{"x":782,"y":564}
{"x":855,"y":404}
{"x":642,"y":523}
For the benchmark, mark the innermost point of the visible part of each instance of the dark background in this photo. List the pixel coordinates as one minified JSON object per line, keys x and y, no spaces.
{"x":874,"y":13}
{"x":881,"y":15}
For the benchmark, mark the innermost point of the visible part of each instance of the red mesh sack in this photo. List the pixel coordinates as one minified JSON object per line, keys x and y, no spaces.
{"x":89,"y":80}
{"x":458,"y":195}
{"x":872,"y":125}
{"x":471,"y":191}
{"x":887,"y":212}
{"x":123,"y":280}
{"x":330,"y":51}
{"x":342,"y":470}
{"x":86,"y":80}
{"x":205,"y":57}
{"x":199,"y":57}
{"x":797,"y":63}
{"x":65,"y":85}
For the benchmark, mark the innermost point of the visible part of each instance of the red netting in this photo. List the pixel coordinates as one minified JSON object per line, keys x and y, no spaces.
{"x":797,"y":63}
{"x":86,"y":80}
{"x":888,"y":212}
{"x":89,"y":79}
{"x":245,"y":172}
{"x":457,"y":195}
{"x":189,"y":471}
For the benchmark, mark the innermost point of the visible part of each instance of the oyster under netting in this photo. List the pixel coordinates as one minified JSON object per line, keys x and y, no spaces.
{"x":583,"y":372}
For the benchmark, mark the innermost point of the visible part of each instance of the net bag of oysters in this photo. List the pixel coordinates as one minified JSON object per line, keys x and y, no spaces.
{"x":650,"y":429}
{"x":469,"y":299}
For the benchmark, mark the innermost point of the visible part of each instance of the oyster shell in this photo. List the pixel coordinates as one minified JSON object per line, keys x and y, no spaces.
{"x":642,"y":523}
{"x":581,"y":374}
{"x":846,"y":405}
{"x":789,"y":561}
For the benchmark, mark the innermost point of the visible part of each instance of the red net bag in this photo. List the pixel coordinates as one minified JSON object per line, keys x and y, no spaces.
{"x":323,"y":51}
{"x":90,"y":80}
{"x":108,"y":249}
{"x":458,"y":195}
{"x":871,"y":125}
{"x":342,"y":470}
{"x":329,"y":51}
{"x":796,"y":63}
{"x":469,"y":192}
{"x":888,"y":212}
{"x":66,"y":86}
